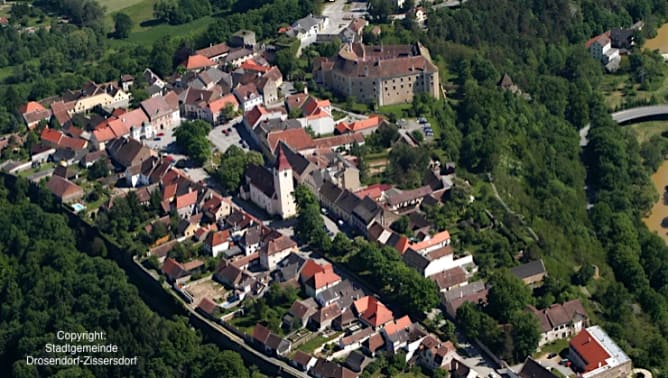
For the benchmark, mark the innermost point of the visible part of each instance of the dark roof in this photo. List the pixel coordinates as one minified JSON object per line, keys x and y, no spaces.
{"x":126,"y":151}
{"x":302,"y":358}
{"x":415,"y":260}
{"x":297,"y":161}
{"x":261,"y":178}
{"x":533,"y":369}
{"x":529,"y":269}
{"x":506,"y":81}
{"x":355,"y":360}
{"x":366,"y":210}
{"x":330,"y":192}
{"x":289,"y":267}
{"x":330,"y":369}
{"x":347,"y":202}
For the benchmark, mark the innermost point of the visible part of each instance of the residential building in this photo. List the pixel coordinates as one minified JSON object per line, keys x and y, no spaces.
{"x":107,"y":95}
{"x":600,"y":48}
{"x":560,"y":321}
{"x":384,"y":75}
{"x":330,"y":369}
{"x":365,"y":126}
{"x":372,"y":312}
{"x":324,"y":317}
{"x":217,"y":242}
{"x":303,"y":361}
{"x":532,"y":273}
{"x":65,"y":190}
{"x":243,"y":38}
{"x":33,"y":113}
{"x":318,"y":116}
{"x":213,"y":112}
{"x":307,"y":29}
{"x":475,"y":292}
{"x":237,"y":57}
{"x":163,"y":111}
{"x":248,"y":96}
{"x":127,"y":152}
{"x":198,"y":63}
{"x":594,"y":354}
{"x":214,"y":52}
{"x":299,"y":313}
{"x":317,"y":278}
{"x":275,"y":250}
{"x":533,"y":369}
{"x":273,"y":189}
{"x":269,"y":342}
{"x":435,"y":354}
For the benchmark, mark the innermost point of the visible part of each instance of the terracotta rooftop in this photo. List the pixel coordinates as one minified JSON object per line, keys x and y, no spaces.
{"x":372,"y":311}
{"x":298,"y":139}
{"x":439,"y":238}
{"x":591,"y":352}
{"x":214,"y":50}
{"x":197,"y":61}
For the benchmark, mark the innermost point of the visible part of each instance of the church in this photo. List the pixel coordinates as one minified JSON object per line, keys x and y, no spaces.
{"x":271,"y":188}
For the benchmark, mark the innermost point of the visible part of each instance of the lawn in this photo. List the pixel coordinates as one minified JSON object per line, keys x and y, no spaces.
{"x":555,"y":347}
{"x":316,"y":342}
{"x":398,"y":110}
{"x":147,"y":35}
{"x":646,"y":130}
{"x":616,"y":87}
{"x":116,"y":5}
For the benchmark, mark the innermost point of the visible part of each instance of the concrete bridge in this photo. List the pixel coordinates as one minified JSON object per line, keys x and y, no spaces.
{"x":626,"y":116}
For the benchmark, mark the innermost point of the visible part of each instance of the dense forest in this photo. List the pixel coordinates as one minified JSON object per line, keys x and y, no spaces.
{"x":48,"y":285}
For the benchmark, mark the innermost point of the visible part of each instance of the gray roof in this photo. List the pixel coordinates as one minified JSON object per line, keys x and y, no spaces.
{"x":348,"y":202}
{"x":529,"y":269}
{"x":297,"y":161}
{"x":366,"y":210}
{"x":415,"y":260}
{"x":330,"y":192}
{"x":345,"y":293}
{"x":289,"y":267}
{"x":464,"y":291}
{"x":533,"y":369}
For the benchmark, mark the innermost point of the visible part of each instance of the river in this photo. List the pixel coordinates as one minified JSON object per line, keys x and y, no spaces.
{"x":658,"y":218}
{"x":660,"y":41}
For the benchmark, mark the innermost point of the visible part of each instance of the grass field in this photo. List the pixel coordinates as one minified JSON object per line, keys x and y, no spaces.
{"x":146,"y":31}
{"x":645,"y":130}
{"x":616,"y":88}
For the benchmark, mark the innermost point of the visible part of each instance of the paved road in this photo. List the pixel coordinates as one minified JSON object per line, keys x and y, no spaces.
{"x":627,"y":115}
{"x":449,"y":4}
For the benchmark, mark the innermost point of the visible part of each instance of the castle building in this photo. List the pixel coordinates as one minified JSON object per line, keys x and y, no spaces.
{"x":385,"y":75}
{"x":271,"y":189}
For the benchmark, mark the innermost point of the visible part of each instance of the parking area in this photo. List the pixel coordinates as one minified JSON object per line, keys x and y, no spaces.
{"x":553,"y":364}
{"x":341,"y":12}
{"x":226,"y":135}
{"x":421,"y":124}
{"x":164,"y":141}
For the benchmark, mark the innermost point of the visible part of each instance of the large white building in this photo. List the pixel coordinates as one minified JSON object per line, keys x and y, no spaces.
{"x":272,"y":190}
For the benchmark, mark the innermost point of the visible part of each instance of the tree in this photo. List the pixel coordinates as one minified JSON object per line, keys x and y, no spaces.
{"x":233,"y":165}
{"x":100,"y":168}
{"x":122,"y":25}
{"x":506,"y":295}
{"x":525,"y":334}
{"x":193,"y":138}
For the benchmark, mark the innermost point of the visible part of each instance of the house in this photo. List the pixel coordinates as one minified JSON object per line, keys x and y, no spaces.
{"x":365,"y":126}
{"x":106,"y":95}
{"x":397,"y":199}
{"x":217,"y":242}
{"x":214,"y":110}
{"x":208,"y":308}
{"x":303,"y":361}
{"x":450,"y":278}
{"x":299,"y":313}
{"x":344,"y":293}
{"x":600,"y":48}
{"x":435,"y":261}
{"x":366,"y":213}
{"x":243,"y":38}
{"x":269,"y":84}
{"x":127,"y":81}
{"x":33,"y":113}
{"x":622,"y":38}
{"x":355,"y":361}
{"x":459,"y":369}
{"x":353,"y":32}
{"x":184,"y":204}
{"x":56,"y":139}
{"x":179,"y":273}
{"x":318,"y":115}
{"x":296,"y":138}
{"x":594,"y":354}
{"x":384,"y":75}
{"x":198,"y":63}
{"x":214,"y":206}
{"x":248,"y":96}
{"x":161,"y":251}
{"x":65,"y":190}
{"x":397,"y":332}
{"x":372,"y":312}
{"x":355,"y":339}
{"x":66,"y":172}
{"x":533,"y":369}
{"x":289,"y":268}
{"x":234,"y":277}
{"x":238,"y":56}
{"x":434,"y":354}
{"x":276,"y":250}
{"x":374,"y":344}
{"x":41,"y":153}
{"x":127,"y":152}
{"x":269,"y":342}
{"x":215,"y":52}
{"x":532,"y":273}
{"x":317,"y":278}
{"x":560,"y":321}
{"x":162,"y":111}
{"x":340,"y":142}
{"x":307,"y":29}
{"x":272,"y":190}
{"x":210,"y":79}
{"x":475,"y":292}
{"x":330,"y":369}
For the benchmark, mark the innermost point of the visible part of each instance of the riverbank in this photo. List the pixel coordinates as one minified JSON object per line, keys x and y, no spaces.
{"x":660,"y":41}
{"x":657,"y":221}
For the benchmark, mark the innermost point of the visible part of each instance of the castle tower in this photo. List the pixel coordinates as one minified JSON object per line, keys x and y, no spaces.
{"x":284,"y":186}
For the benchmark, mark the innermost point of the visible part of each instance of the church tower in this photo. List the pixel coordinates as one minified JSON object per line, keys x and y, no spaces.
{"x":284,"y":186}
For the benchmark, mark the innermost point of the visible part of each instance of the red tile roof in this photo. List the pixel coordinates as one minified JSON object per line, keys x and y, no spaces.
{"x":252,"y":65}
{"x":298,"y":139}
{"x":398,"y":325}
{"x":260,"y":333}
{"x":603,"y":39}
{"x":51,"y":135}
{"x":186,"y":199}
{"x":295,"y":101}
{"x":198,"y":61}
{"x":255,"y":114}
{"x":590,"y":350}
{"x":372,"y":311}
{"x":311,"y":267}
{"x":30,"y":107}
{"x":63,"y":188}
{"x":441,"y":237}
{"x":172,"y":269}
{"x":214,"y":50}
{"x":313,"y":104}
{"x":218,"y":238}
{"x":216,"y":106}
{"x":324,"y":279}
{"x":207,"y":305}
{"x":374,"y":191}
{"x":104,"y":134}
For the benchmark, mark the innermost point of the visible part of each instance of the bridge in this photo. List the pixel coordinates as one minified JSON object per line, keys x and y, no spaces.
{"x":626,"y":116}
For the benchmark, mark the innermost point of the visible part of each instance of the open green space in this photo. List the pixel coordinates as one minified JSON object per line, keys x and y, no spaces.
{"x":619,"y":90}
{"x":147,"y":35}
{"x":312,"y":344}
{"x":644,"y":131}
{"x":116,"y":5}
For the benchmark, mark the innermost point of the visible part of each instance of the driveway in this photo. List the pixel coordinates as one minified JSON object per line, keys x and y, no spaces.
{"x":553,"y":363}
{"x":341,"y":13}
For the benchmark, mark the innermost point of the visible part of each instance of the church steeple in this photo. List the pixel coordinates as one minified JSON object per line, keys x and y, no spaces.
{"x":282,"y":161}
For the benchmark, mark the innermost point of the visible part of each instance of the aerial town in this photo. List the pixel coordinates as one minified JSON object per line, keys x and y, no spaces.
{"x":306,"y":221}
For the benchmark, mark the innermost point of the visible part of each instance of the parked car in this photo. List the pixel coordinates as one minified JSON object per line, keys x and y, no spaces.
{"x":551,"y":355}
{"x":161,"y":134}
{"x":323,"y":210}
{"x":340,"y":222}
{"x":156,"y":139}
{"x":422,"y":120}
